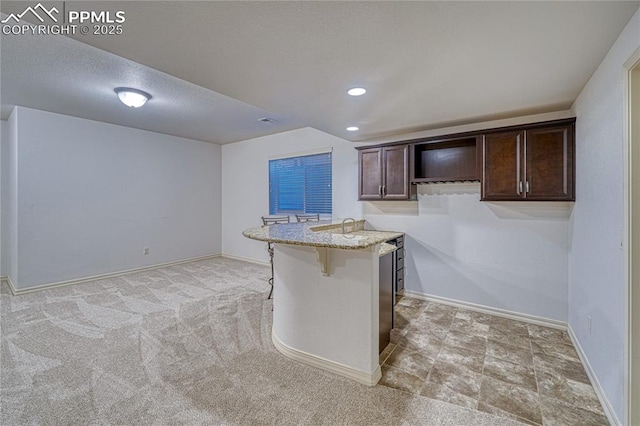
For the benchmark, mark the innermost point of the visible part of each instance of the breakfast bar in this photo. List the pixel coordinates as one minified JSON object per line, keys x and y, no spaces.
{"x":326,"y":294}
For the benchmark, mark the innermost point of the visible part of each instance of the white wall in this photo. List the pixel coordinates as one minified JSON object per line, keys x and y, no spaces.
{"x":4,"y":138}
{"x":596,"y":264}
{"x":91,"y":196}
{"x":9,"y":199}
{"x":510,"y":256}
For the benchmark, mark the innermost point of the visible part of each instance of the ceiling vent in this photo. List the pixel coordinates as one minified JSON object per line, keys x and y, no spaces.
{"x":267,"y":120}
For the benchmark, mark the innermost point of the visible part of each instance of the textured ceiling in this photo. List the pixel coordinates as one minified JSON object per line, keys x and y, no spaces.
{"x":59,"y":74}
{"x":426,"y":64}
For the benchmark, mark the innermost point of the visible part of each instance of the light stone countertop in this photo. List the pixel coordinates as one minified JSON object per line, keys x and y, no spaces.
{"x":386,"y":248}
{"x":324,"y":234}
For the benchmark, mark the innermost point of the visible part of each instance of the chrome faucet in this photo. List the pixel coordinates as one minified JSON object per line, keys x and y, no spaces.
{"x":345,"y":221}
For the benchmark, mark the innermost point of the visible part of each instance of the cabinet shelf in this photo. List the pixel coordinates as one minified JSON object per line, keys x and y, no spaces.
{"x":453,"y":160}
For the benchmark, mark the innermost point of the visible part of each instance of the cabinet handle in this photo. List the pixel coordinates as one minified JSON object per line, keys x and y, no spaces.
{"x":528,"y":187}
{"x":380,"y":190}
{"x":519,"y":188}
{"x":384,"y":190}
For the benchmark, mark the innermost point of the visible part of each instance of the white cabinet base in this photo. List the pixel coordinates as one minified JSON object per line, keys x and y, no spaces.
{"x":328,"y":321}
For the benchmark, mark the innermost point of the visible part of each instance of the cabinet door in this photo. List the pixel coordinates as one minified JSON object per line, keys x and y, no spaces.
{"x":549,"y":164}
{"x":370,"y":176}
{"x":501,"y":166}
{"x":396,"y":173}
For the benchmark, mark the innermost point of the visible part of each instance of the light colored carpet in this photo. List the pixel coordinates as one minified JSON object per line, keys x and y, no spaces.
{"x":188,"y":344}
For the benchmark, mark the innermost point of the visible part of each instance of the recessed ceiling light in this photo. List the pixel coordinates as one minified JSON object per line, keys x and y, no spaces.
{"x":133,"y":98}
{"x":357,"y":91}
{"x":353,"y":128}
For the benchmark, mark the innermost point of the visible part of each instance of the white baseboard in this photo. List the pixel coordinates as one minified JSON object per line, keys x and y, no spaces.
{"x":545,"y":322}
{"x":19,"y":291}
{"x":7,"y":280}
{"x":369,"y":379}
{"x":246,"y":259}
{"x":606,"y":405}
{"x":604,"y":401}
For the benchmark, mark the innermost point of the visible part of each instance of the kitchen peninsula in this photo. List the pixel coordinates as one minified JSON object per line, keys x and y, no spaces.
{"x":327,"y":294}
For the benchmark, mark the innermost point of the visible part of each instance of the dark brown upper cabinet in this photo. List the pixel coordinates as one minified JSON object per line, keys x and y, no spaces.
{"x":384,"y":173}
{"x":529,"y":163}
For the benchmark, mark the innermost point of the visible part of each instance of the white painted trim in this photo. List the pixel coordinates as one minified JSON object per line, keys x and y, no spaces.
{"x":631,"y":382}
{"x":246,"y":259}
{"x":19,"y":291}
{"x":6,"y":279}
{"x":517,"y":316}
{"x":473,"y":127}
{"x":604,"y":401}
{"x":369,"y":379}
{"x":326,"y":150}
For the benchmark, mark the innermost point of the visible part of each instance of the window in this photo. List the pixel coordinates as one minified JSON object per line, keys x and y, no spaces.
{"x":300,"y":184}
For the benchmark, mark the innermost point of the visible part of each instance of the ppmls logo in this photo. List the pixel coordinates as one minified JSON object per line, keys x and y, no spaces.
{"x":34,"y":12}
{"x":69,"y":22}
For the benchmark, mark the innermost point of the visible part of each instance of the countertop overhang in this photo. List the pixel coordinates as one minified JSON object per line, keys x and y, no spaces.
{"x":321,"y":234}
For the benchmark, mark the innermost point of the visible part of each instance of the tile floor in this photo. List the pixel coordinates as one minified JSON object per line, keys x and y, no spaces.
{"x":509,"y":368}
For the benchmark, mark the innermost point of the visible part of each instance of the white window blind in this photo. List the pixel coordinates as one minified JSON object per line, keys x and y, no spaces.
{"x":300,"y":185}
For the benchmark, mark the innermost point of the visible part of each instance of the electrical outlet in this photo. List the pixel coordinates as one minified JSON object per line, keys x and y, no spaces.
{"x":146,"y":250}
{"x":589,"y":324}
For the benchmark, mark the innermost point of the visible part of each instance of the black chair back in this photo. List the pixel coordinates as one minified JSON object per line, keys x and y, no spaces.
{"x":308,"y":217}
{"x":272,"y":220}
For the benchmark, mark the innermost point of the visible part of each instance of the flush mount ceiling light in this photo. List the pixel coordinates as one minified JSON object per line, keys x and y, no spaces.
{"x":357,"y":91}
{"x":133,"y":98}
{"x":352,"y":128}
